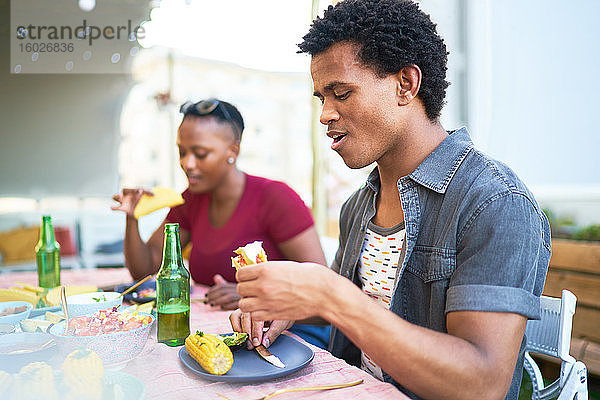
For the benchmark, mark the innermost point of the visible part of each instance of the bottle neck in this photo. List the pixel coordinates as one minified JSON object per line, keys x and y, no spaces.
{"x":171,"y":249}
{"x":46,"y":231}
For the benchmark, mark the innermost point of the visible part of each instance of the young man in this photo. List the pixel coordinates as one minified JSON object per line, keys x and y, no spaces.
{"x":443,"y":253}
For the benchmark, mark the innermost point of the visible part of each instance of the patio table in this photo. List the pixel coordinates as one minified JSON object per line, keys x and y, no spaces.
{"x":165,"y":377}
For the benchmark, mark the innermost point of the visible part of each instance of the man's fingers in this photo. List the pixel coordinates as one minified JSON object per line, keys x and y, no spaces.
{"x":246,"y":322}
{"x":271,"y":334}
{"x":236,"y":320}
{"x":253,"y":329}
{"x":245,"y":289}
{"x":249,"y":304}
{"x":246,"y":327}
{"x":253,"y":305}
{"x":257,"y":332}
{"x":248,"y":273}
{"x":264,"y":315}
{"x":251,"y":289}
{"x":274,"y":331}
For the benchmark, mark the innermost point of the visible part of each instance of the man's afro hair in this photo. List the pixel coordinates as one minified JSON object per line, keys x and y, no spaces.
{"x":390,"y":35}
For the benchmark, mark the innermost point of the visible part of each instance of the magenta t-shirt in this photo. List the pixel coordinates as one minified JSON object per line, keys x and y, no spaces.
{"x":269,"y":211}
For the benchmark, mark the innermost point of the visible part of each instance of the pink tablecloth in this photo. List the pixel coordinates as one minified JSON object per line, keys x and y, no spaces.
{"x":165,"y":377}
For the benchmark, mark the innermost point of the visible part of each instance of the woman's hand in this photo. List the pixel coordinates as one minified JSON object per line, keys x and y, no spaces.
{"x":128,"y":199}
{"x":223,"y":294}
{"x":242,"y":322}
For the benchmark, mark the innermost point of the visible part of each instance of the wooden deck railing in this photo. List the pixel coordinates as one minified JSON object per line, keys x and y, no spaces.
{"x":575,"y":266}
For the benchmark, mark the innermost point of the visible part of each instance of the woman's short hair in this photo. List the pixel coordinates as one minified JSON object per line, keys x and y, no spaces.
{"x":221,"y":110}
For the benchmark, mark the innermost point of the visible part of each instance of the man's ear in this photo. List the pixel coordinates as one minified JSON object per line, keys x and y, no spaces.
{"x":408,"y":83}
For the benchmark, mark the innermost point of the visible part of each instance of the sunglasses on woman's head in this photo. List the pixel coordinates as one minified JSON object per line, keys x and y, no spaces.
{"x":207,"y":107}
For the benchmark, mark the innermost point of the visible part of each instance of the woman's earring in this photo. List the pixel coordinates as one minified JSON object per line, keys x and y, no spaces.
{"x":230,"y":160}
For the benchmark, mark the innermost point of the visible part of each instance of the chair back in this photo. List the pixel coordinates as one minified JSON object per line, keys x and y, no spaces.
{"x":551,"y":334}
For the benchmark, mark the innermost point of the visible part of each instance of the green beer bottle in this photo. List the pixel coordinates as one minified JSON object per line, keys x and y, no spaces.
{"x":173,"y":292}
{"x":47,"y":252}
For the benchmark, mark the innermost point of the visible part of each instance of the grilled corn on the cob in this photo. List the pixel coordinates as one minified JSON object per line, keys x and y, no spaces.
{"x":35,"y":381}
{"x":83,"y":374}
{"x":210,"y":351}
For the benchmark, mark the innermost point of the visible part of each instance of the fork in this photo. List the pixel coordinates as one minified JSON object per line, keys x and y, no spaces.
{"x":63,"y":303}
{"x":22,"y":351}
{"x":302,"y":389}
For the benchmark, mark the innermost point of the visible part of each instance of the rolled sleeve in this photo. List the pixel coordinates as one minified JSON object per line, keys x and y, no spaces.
{"x":501,"y":260}
{"x":493,"y":298}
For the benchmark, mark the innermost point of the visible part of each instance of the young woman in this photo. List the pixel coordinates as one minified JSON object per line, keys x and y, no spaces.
{"x":224,"y":208}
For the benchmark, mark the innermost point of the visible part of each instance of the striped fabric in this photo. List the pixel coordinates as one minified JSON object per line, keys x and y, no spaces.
{"x":378,"y":265}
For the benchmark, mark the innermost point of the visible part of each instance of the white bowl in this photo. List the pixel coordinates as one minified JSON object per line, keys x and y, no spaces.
{"x":113,"y":348}
{"x":14,"y":319}
{"x":89,"y":303}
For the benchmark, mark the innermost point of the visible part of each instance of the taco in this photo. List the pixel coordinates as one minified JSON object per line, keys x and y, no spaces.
{"x":252,"y":253}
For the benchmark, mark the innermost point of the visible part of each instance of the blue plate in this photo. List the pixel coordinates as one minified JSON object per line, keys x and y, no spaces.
{"x":132,"y":297}
{"x":248,"y":366}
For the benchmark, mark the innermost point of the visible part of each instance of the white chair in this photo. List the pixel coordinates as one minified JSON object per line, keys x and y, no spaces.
{"x":551,"y":335}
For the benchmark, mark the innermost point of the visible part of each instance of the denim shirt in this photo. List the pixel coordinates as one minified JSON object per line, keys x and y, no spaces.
{"x":476,"y":240}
